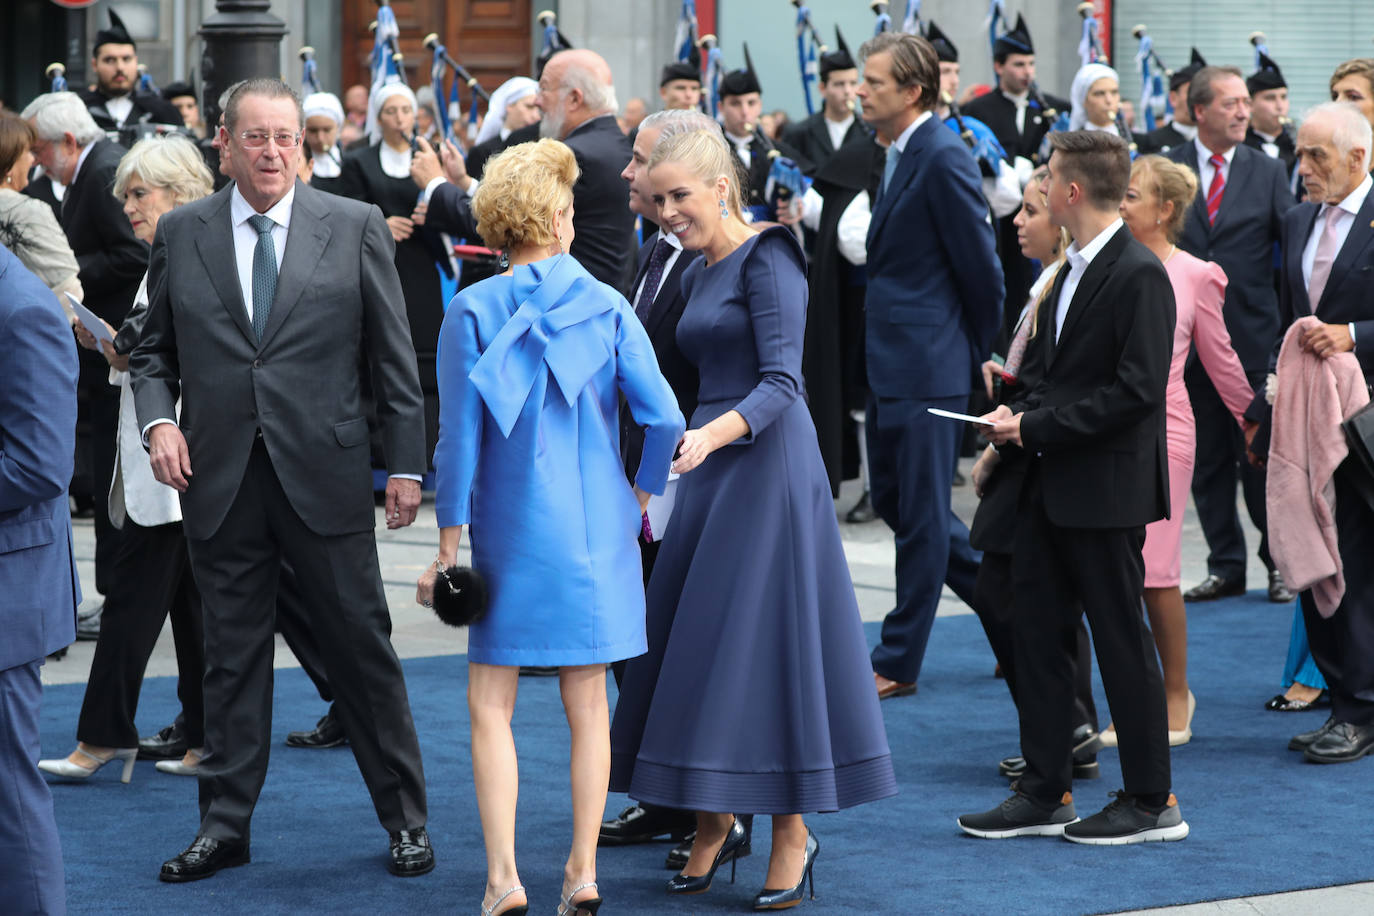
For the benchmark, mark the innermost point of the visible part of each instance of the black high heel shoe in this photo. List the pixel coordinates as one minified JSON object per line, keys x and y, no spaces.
{"x":769,"y":899}
{"x":686,"y":884}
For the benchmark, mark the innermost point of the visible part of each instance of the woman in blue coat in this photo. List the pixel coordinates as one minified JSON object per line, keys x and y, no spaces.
{"x":532,"y":363}
{"x":756,"y":695}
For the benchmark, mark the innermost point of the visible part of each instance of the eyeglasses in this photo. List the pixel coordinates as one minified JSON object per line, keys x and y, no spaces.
{"x":257,"y":139}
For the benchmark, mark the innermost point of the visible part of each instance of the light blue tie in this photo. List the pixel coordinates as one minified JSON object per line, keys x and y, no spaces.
{"x":264,"y":272}
{"x":894,"y":155}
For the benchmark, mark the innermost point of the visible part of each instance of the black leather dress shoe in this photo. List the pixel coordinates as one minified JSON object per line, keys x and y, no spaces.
{"x":1214,"y":587}
{"x":168,"y":744}
{"x":677,"y":856}
{"x":1305,"y":740}
{"x":862,"y":512}
{"x":411,"y":854}
{"x":1278,"y":590}
{"x":327,"y":733}
{"x":1342,"y":743}
{"x":640,"y":824}
{"x":203,"y":858}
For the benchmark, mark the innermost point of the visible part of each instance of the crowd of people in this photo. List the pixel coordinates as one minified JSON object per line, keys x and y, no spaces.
{"x":641,"y":403}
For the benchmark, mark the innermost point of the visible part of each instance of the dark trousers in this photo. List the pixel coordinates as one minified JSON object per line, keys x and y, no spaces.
{"x":150,"y":579}
{"x":238,"y":570}
{"x":911,"y":464}
{"x":994,"y":604}
{"x":293,"y":623}
{"x":1219,"y":462}
{"x":31,"y":877}
{"x":1055,"y":572}
{"x":104,"y":404}
{"x":1342,"y":645}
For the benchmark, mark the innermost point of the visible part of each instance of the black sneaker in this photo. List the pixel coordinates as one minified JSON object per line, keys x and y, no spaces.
{"x":1020,"y":815}
{"x":1125,"y":820}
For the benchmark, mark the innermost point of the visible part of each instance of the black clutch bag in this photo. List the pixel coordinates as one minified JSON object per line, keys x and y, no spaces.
{"x":1359,"y":438}
{"x":460,"y":595}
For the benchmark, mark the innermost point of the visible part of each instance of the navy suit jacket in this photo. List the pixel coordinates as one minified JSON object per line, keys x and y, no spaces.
{"x":37,"y":441}
{"x":934,"y":298}
{"x":1242,"y":242}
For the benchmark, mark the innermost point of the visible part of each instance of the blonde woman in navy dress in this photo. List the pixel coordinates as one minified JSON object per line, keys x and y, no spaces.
{"x":756,"y":694}
{"x":532,"y":364}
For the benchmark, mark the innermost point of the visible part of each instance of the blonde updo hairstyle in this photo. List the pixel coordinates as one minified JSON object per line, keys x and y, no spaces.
{"x":521,"y":190}
{"x":703,"y":154}
{"x":1171,"y":182}
{"x":171,"y":163}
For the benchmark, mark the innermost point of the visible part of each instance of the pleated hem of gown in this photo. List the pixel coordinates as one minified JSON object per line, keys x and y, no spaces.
{"x":558,"y":656}
{"x":806,"y":792}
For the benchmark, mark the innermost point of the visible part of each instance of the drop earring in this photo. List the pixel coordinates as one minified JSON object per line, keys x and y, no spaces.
{"x":724,"y":211}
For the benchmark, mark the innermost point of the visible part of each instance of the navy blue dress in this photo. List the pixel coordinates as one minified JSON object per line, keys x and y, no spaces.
{"x":756,"y":694}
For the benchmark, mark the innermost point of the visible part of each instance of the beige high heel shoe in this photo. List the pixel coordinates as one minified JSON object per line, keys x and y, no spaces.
{"x":1184,"y":735}
{"x":68,"y":770}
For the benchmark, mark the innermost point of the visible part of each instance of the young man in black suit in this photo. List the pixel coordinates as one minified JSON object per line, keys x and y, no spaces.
{"x":116,"y":101}
{"x":741,"y":106}
{"x":1235,"y":222}
{"x":820,"y":136}
{"x":1092,"y":428}
{"x":1328,"y":254}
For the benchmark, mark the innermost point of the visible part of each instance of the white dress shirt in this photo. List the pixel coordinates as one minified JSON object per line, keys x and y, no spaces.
{"x":838,"y":129}
{"x":119,"y":108}
{"x":1020,"y":100}
{"x":905,"y":137}
{"x":1350,"y":208}
{"x":1205,"y":169}
{"x":676,"y":243}
{"x":1268,"y":143}
{"x":742,"y":147}
{"x":1079,"y":259}
{"x":246,"y":237}
{"x":1186,"y":131}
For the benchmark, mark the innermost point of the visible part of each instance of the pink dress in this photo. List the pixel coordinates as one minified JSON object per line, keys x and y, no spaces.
{"x":1199,"y":288}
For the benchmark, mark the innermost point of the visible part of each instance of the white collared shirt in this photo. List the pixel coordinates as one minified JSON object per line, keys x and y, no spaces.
{"x":246,"y":237}
{"x":80,"y":161}
{"x":119,"y":108}
{"x":742,"y":146}
{"x":1186,"y":131}
{"x":1020,"y":100}
{"x":1350,"y":208}
{"x":838,"y":129}
{"x":901,"y":142}
{"x":1079,"y":259}
{"x":1268,"y":143}
{"x":1205,"y":169}
{"x":672,"y":240}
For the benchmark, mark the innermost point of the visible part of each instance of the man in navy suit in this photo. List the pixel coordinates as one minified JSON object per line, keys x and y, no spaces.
{"x":37,"y":572}
{"x":933,"y":307}
{"x":1328,"y":258}
{"x":1235,"y":222}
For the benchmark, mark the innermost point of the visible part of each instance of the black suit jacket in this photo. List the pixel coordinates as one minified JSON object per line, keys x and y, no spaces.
{"x":112,"y":260}
{"x":602,"y":219}
{"x":761,"y":163}
{"x":681,"y":374}
{"x":148,"y":109}
{"x":811,"y":140}
{"x":999,"y":113}
{"x":1161,"y":140}
{"x":1242,"y":243}
{"x":1094,"y":418}
{"x":1288,"y":149}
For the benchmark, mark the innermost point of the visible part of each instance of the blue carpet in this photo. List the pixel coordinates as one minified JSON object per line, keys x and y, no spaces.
{"x":1262,"y":820}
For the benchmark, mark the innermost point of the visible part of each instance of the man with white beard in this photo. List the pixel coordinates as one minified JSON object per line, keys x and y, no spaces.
{"x":578,"y":103}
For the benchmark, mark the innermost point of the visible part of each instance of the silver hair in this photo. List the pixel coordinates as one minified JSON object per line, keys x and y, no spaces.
{"x":1352,"y":130}
{"x":172,"y":163}
{"x":57,"y":113}
{"x":599,"y":97}
{"x":674,"y":121}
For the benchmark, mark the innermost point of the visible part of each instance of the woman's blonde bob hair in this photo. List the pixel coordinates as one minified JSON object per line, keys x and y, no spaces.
{"x":704,"y":155}
{"x":171,"y":163}
{"x":1168,"y":181}
{"x":522,"y":189}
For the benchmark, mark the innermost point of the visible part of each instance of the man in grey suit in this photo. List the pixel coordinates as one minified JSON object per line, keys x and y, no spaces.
{"x":272,"y":460}
{"x":37,"y":573}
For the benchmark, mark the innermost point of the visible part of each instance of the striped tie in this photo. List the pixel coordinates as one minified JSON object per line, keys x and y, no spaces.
{"x":1218,"y":188}
{"x":264,"y":272}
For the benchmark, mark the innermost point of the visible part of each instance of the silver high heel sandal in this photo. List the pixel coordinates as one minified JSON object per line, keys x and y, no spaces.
{"x":567,"y":908}
{"x":68,"y":770}
{"x":180,"y":767}
{"x":520,"y":910}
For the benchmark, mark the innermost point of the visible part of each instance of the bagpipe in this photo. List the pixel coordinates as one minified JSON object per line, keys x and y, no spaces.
{"x":310,"y":79}
{"x":442,"y":60}
{"x":1090,"y":50}
{"x":1154,"y":99}
{"x":883,"y":19}
{"x":809,"y":49}
{"x":978,"y":137}
{"x":710,"y":83}
{"x":554,"y":40}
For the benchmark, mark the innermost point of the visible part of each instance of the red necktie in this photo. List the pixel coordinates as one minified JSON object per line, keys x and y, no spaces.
{"x":1218,"y":188}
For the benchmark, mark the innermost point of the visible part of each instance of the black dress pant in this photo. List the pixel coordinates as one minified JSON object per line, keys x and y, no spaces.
{"x":1219,"y":463}
{"x":994,"y":604}
{"x":1342,"y":645}
{"x":238,"y":570}
{"x":1055,"y":572}
{"x":104,"y":407}
{"x":149,"y":580}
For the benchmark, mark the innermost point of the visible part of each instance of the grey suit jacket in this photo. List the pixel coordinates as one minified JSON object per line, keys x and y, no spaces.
{"x":338,"y":299}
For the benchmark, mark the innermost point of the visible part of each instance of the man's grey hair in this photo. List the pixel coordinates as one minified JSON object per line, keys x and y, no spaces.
{"x":1350,"y":131}
{"x":262,"y":86}
{"x":599,"y":97}
{"x":57,"y":113}
{"x":674,"y":121}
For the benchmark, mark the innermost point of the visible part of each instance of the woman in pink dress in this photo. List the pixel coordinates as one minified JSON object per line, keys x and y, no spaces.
{"x":1160,"y":196}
